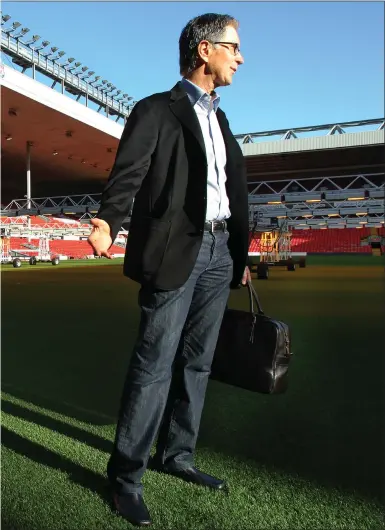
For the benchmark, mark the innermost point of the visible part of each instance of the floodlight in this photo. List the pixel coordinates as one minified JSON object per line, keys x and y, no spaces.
{"x":54,"y":49}
{"x":5,"y":19}
{"x":23,"y":32}
{"x":33,"y":40}
{"x":69,"y":61}
{"x":14,"y":27}
{"x":95,"y":80}
{"x":117,"y":97}
{"x":43,"y":45}
{"x":107,"y":88}
{"x":58,"y":56}
{"x":87,"y":75}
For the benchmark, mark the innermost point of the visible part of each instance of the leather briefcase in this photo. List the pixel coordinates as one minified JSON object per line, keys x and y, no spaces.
{"x":253,"y":350}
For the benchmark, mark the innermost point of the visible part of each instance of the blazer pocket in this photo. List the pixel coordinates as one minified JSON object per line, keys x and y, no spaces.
{"x":155,"y":245}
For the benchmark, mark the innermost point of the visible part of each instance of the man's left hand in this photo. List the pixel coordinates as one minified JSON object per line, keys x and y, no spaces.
{"x":246,"y":276}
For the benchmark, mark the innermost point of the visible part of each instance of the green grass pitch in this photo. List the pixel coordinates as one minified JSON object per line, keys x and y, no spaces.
{"x":309,"y":459}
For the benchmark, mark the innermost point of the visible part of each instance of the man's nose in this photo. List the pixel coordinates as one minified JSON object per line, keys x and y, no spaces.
{"x":239,"y":58}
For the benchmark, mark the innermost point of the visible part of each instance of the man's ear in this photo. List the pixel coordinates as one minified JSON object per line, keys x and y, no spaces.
{"x":204,"y":50}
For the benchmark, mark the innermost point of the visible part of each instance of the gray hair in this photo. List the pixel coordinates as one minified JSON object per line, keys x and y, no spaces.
{"x":211,"y":27}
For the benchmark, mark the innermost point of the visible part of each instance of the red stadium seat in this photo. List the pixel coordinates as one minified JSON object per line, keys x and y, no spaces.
{"x":332,"y":240}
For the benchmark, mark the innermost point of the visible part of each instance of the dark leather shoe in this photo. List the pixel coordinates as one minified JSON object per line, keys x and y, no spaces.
{"x":192,"y":474}
{"x":131,"y":506}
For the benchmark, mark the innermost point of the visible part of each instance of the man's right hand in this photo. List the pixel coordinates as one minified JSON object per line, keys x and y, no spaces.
{"x":100,"y":237}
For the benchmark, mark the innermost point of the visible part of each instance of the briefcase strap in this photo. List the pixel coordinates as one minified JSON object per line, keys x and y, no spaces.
{"x":253,"y":297}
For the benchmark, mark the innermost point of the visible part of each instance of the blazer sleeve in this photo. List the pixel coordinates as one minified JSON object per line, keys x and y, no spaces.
{"x":132,"y":161}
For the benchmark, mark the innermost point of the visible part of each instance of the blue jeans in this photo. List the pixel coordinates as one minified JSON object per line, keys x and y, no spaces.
{"x":169,"y":369}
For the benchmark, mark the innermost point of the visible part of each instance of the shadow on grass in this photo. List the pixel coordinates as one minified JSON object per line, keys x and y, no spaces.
{"x":59,"y":405}
{"x":76,"y":433}
{"x":41,"y":455}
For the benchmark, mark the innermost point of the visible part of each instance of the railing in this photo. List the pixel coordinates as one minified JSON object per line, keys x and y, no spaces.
{"x":26,"y":56}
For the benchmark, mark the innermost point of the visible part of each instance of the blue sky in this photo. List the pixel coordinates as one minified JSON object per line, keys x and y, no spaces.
{"x":306,"y":63}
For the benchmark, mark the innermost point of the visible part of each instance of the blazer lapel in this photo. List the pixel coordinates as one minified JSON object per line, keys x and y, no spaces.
{"x":181,"y":107}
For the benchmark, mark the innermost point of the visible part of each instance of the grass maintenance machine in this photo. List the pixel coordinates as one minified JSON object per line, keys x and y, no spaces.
{"x":275,"y":247}
{"x":29,"y":252}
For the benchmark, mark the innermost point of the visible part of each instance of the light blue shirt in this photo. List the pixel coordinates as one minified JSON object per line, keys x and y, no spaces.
{"x":205,"y":108}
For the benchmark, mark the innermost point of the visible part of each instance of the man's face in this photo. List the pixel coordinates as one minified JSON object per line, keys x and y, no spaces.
{"x":224,"y":58}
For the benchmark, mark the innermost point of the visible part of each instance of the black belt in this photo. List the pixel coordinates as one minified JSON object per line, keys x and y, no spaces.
{"x":215,"y":226}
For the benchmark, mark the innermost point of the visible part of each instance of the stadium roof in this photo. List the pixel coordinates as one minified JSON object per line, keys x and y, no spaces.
{"x":86,"y":142}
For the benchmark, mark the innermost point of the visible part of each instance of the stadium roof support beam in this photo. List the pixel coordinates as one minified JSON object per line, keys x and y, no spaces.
{"x":29,"y":145}
{"x":329,"y":128}
{"x":329,"y":185}
{"x":28,"y":175}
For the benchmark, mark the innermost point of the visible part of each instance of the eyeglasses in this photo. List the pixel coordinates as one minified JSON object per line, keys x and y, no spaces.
{"x":234,"y":45}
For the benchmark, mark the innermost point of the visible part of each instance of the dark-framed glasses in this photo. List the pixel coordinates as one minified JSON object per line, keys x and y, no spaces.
{"x":234,"y":46}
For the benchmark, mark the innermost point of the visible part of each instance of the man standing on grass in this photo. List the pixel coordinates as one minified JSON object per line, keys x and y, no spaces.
{"x":187,"y":245}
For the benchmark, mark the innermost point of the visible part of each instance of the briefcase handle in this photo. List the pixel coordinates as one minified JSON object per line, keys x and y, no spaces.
{"x":253,"y":297}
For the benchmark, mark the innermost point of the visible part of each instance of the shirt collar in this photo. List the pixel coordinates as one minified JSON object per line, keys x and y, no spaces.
{"x":197,"y":94}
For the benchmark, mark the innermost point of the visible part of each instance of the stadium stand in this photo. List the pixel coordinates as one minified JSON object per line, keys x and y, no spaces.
{"x":329,"y":241}
{"x":313,"y":175}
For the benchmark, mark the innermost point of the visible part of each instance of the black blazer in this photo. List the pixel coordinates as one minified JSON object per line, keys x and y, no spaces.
{"x":161,"y":161}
